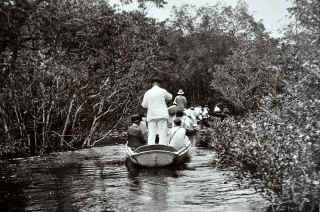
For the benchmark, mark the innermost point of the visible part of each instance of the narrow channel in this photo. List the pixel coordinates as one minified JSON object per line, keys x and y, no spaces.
{"x":97,"y":180}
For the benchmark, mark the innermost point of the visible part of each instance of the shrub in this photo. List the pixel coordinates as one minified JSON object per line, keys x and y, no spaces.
{"x":275,"y":146}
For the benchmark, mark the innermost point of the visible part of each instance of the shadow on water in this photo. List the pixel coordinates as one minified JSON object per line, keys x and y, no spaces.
{"x":155,"y":184}
{"x":12,"y":197}
{"x":62,"y":187}
{"x":99,"y":179}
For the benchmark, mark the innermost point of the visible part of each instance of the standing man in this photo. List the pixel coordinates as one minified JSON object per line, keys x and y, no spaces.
{"x":154,"y":100}
{"x":180,"y":100}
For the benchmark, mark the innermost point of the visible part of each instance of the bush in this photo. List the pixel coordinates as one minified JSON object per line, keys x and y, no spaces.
{"x":71,"y":71}
{"x":276,"y":146}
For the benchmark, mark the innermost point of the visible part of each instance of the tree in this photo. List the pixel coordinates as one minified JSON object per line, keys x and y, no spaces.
{"x":224,"y":54}
{"x":71,"y":72}
{"x":305,"y":33}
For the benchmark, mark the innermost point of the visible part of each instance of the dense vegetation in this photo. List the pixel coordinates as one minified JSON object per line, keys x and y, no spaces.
{"x":72,"y":72}
{"x":277,"y":146}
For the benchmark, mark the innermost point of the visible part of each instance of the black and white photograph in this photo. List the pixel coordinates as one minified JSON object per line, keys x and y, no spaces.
{"x":159,"y":106}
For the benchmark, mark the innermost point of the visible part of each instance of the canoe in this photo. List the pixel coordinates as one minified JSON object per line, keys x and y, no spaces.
{"x":158,"y":155}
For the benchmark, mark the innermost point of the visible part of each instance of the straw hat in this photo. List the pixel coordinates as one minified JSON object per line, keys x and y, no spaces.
{"x":180,"y":92}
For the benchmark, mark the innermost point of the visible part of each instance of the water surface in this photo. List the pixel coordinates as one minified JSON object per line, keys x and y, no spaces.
{"x":97,"y":180}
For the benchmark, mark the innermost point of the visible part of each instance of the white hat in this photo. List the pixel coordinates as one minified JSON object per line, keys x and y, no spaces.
{"x":180,"y":92}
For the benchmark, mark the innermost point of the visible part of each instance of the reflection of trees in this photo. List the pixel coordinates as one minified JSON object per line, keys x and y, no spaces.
{"x":63,"y":186}
{"x":12,"y":196}
{"x":73,"y":181}
{"x":61,"y":182}
{"x":151,"y":187}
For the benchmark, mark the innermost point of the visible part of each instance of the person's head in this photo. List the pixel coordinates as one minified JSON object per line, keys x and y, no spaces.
{"x":155,"y":80}
{"x":136,"y":118}
{"x":219,"y":104}
{"x":177,"y":122}
{"x":180,"y":92}
{"x":179,"y":113}
{"x":226,"y":110}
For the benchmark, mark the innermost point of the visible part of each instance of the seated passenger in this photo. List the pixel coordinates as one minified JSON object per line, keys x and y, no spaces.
{"x":204,"y":122}
{"x":190,"y":114}
{"x":136,"y":132}
{"x":177,"y":136}
{"x":205,"y":112}
{"x":186,"y":121}
{"x":197,"y":112}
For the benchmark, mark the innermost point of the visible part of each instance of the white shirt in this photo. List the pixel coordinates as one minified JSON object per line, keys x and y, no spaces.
{"x":155,"y":101}
{"x":192,"y":119}
{"x":197,"y":112}
{"x":178,"y":138}
{"x":205,"y":112}
{"x":186,"y":121}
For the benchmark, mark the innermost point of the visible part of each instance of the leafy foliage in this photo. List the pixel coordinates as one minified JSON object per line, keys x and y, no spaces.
{"x":158,"y":3}
{"x":224,"y":55}
{"x":278,"y":145}
{"x":71,"y":69}
{"x":304,"y":33}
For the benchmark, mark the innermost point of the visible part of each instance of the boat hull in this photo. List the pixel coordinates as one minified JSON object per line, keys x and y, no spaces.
{"x":158,"y":155}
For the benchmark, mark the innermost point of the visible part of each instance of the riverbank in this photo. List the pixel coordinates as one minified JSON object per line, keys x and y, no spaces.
{"x":279,"y":157}
{"x":18,"y":150}
{"x":275,"y":157}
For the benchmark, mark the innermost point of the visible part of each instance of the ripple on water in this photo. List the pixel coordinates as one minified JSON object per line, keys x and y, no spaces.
{"x":97,"y":180}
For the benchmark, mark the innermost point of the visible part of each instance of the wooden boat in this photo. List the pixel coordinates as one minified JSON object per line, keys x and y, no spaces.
{"x":158,"y":155}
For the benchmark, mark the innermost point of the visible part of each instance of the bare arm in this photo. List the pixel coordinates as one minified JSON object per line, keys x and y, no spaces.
{"x":168,"y":96}
{"x":175,"y":101}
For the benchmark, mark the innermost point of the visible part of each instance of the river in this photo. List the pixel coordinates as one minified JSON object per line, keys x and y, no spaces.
{"x":97,"y":180}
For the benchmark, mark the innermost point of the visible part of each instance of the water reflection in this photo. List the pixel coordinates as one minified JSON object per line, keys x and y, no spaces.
{"x":151,"y":187}
{"x":98,"y":180}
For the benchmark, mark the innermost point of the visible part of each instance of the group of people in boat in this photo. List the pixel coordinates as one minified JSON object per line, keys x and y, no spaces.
{"x":162,"y":124}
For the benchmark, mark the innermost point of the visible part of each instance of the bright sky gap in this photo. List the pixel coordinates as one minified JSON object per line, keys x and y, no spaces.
{"x":272,"y":13}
